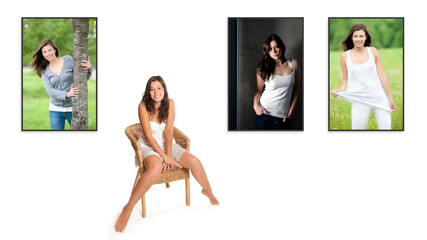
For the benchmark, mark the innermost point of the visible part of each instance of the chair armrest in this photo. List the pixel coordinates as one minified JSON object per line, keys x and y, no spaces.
{"x":181,"y":139}
{"x":131,"y":134}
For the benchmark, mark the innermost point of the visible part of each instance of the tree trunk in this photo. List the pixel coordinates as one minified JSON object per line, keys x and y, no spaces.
{"x":80,"y":109}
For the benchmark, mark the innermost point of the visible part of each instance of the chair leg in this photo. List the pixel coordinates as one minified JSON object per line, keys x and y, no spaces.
{"x":143,"y":206}
{"x":187,"y":191}
{"x":136,"y":180}
{"x":167,"y":185}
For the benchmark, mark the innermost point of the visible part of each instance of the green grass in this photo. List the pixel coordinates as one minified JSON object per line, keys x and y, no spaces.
{"x":35,"y":104}
{"x":340,"y":109}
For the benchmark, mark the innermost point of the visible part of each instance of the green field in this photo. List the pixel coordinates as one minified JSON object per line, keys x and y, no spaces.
{"x":35,"y":104}
{"x":340,"y":109}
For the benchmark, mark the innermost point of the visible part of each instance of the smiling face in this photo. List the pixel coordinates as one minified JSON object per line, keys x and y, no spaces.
{"x":274,"y":51}
{"x":157,"y":93}
{"x":48,"y":52}
{"x":359,"y":38}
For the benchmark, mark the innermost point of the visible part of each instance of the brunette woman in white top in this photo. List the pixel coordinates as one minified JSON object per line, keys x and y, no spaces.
{"x":278,"y":86}
{"x":364,"y":81}
{"x":157,"y":115}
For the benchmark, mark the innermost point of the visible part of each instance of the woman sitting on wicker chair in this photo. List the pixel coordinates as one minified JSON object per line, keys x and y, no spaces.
{"x":157,"y":114}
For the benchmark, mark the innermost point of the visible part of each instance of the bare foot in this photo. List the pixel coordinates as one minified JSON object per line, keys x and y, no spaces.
{"x":123,"y":219}
{"x":211,"y":197}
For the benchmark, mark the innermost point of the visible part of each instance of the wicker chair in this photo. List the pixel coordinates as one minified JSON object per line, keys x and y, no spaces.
{"x":133,"y":132}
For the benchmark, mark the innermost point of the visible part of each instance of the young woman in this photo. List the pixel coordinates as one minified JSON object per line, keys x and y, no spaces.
{"x":57,"y":76}
{"x":157,"y":115}
{"x":278,"y":86}
{"x":364,"y":81}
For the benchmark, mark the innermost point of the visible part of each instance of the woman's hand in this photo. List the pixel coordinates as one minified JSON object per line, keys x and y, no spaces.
{"x":335,"y":91}
{"x":259,"y":110}
{"x":86,"y":64}
{"x":169,"y":162}
{"x":73,"y":91}
{"x":392,"y":105}
{"x":289,"y":116}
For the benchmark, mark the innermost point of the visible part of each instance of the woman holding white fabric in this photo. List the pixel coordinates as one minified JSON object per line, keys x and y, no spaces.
{"x":364,"y":81}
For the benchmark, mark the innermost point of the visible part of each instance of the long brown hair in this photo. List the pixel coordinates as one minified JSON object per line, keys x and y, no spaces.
{"x":40,"y":63}
{"x":149,"y":103}
{"x":266,"y":64}
{"x":348,"y":44}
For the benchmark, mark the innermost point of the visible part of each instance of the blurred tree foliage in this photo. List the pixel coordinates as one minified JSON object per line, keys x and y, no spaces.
{"x":385,"y":33}
{"x":60,"y":31}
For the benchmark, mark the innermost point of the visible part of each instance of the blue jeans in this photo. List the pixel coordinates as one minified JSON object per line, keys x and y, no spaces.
{"x":57,"y":119}
{"x":265,"y":121}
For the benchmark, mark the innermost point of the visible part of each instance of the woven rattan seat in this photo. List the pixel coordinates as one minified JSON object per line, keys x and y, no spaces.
{"x":133,"y":132}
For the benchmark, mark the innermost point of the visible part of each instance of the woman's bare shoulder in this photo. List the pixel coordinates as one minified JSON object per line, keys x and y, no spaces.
{"x":171,"y":105}
{"x":294,"y":63}
{"x":343,"y":57}
{"x":141,"y":107}
{"x":374,"y":51}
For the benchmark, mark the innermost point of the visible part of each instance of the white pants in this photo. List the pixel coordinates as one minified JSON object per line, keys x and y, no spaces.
{"x":360,"y":114}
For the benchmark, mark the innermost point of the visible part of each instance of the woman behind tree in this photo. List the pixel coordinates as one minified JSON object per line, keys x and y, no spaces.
{"x":57,"y":76}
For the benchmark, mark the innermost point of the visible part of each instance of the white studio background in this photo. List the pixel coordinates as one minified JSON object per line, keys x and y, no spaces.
{"x":276,"y":185}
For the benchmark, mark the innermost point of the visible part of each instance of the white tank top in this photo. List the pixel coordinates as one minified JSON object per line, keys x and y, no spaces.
{"x":364,"y":85}
{"x":277,"y":95}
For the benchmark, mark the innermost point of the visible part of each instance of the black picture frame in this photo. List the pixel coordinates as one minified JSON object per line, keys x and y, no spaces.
{"x":28,"y":68}
{"x":368,"y":21}
{"x":245,"y":40}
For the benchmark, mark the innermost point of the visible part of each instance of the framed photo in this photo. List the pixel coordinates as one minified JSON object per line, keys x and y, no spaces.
{"x":54,"y":52}
{"x":366,"y":74}
{"x":265,"y":74}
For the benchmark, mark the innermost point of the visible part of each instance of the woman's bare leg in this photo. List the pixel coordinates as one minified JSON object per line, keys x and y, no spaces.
{"x":153,"y":165}
{"x":192,"y":163}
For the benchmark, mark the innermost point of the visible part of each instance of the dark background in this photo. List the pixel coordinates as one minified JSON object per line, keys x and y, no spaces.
{"x":245,"y":40}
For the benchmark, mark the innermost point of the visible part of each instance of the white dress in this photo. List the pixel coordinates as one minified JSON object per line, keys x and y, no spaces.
{"x":277,"y":95}
{"x":157,"y":130}
{"x":364,"y":84}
